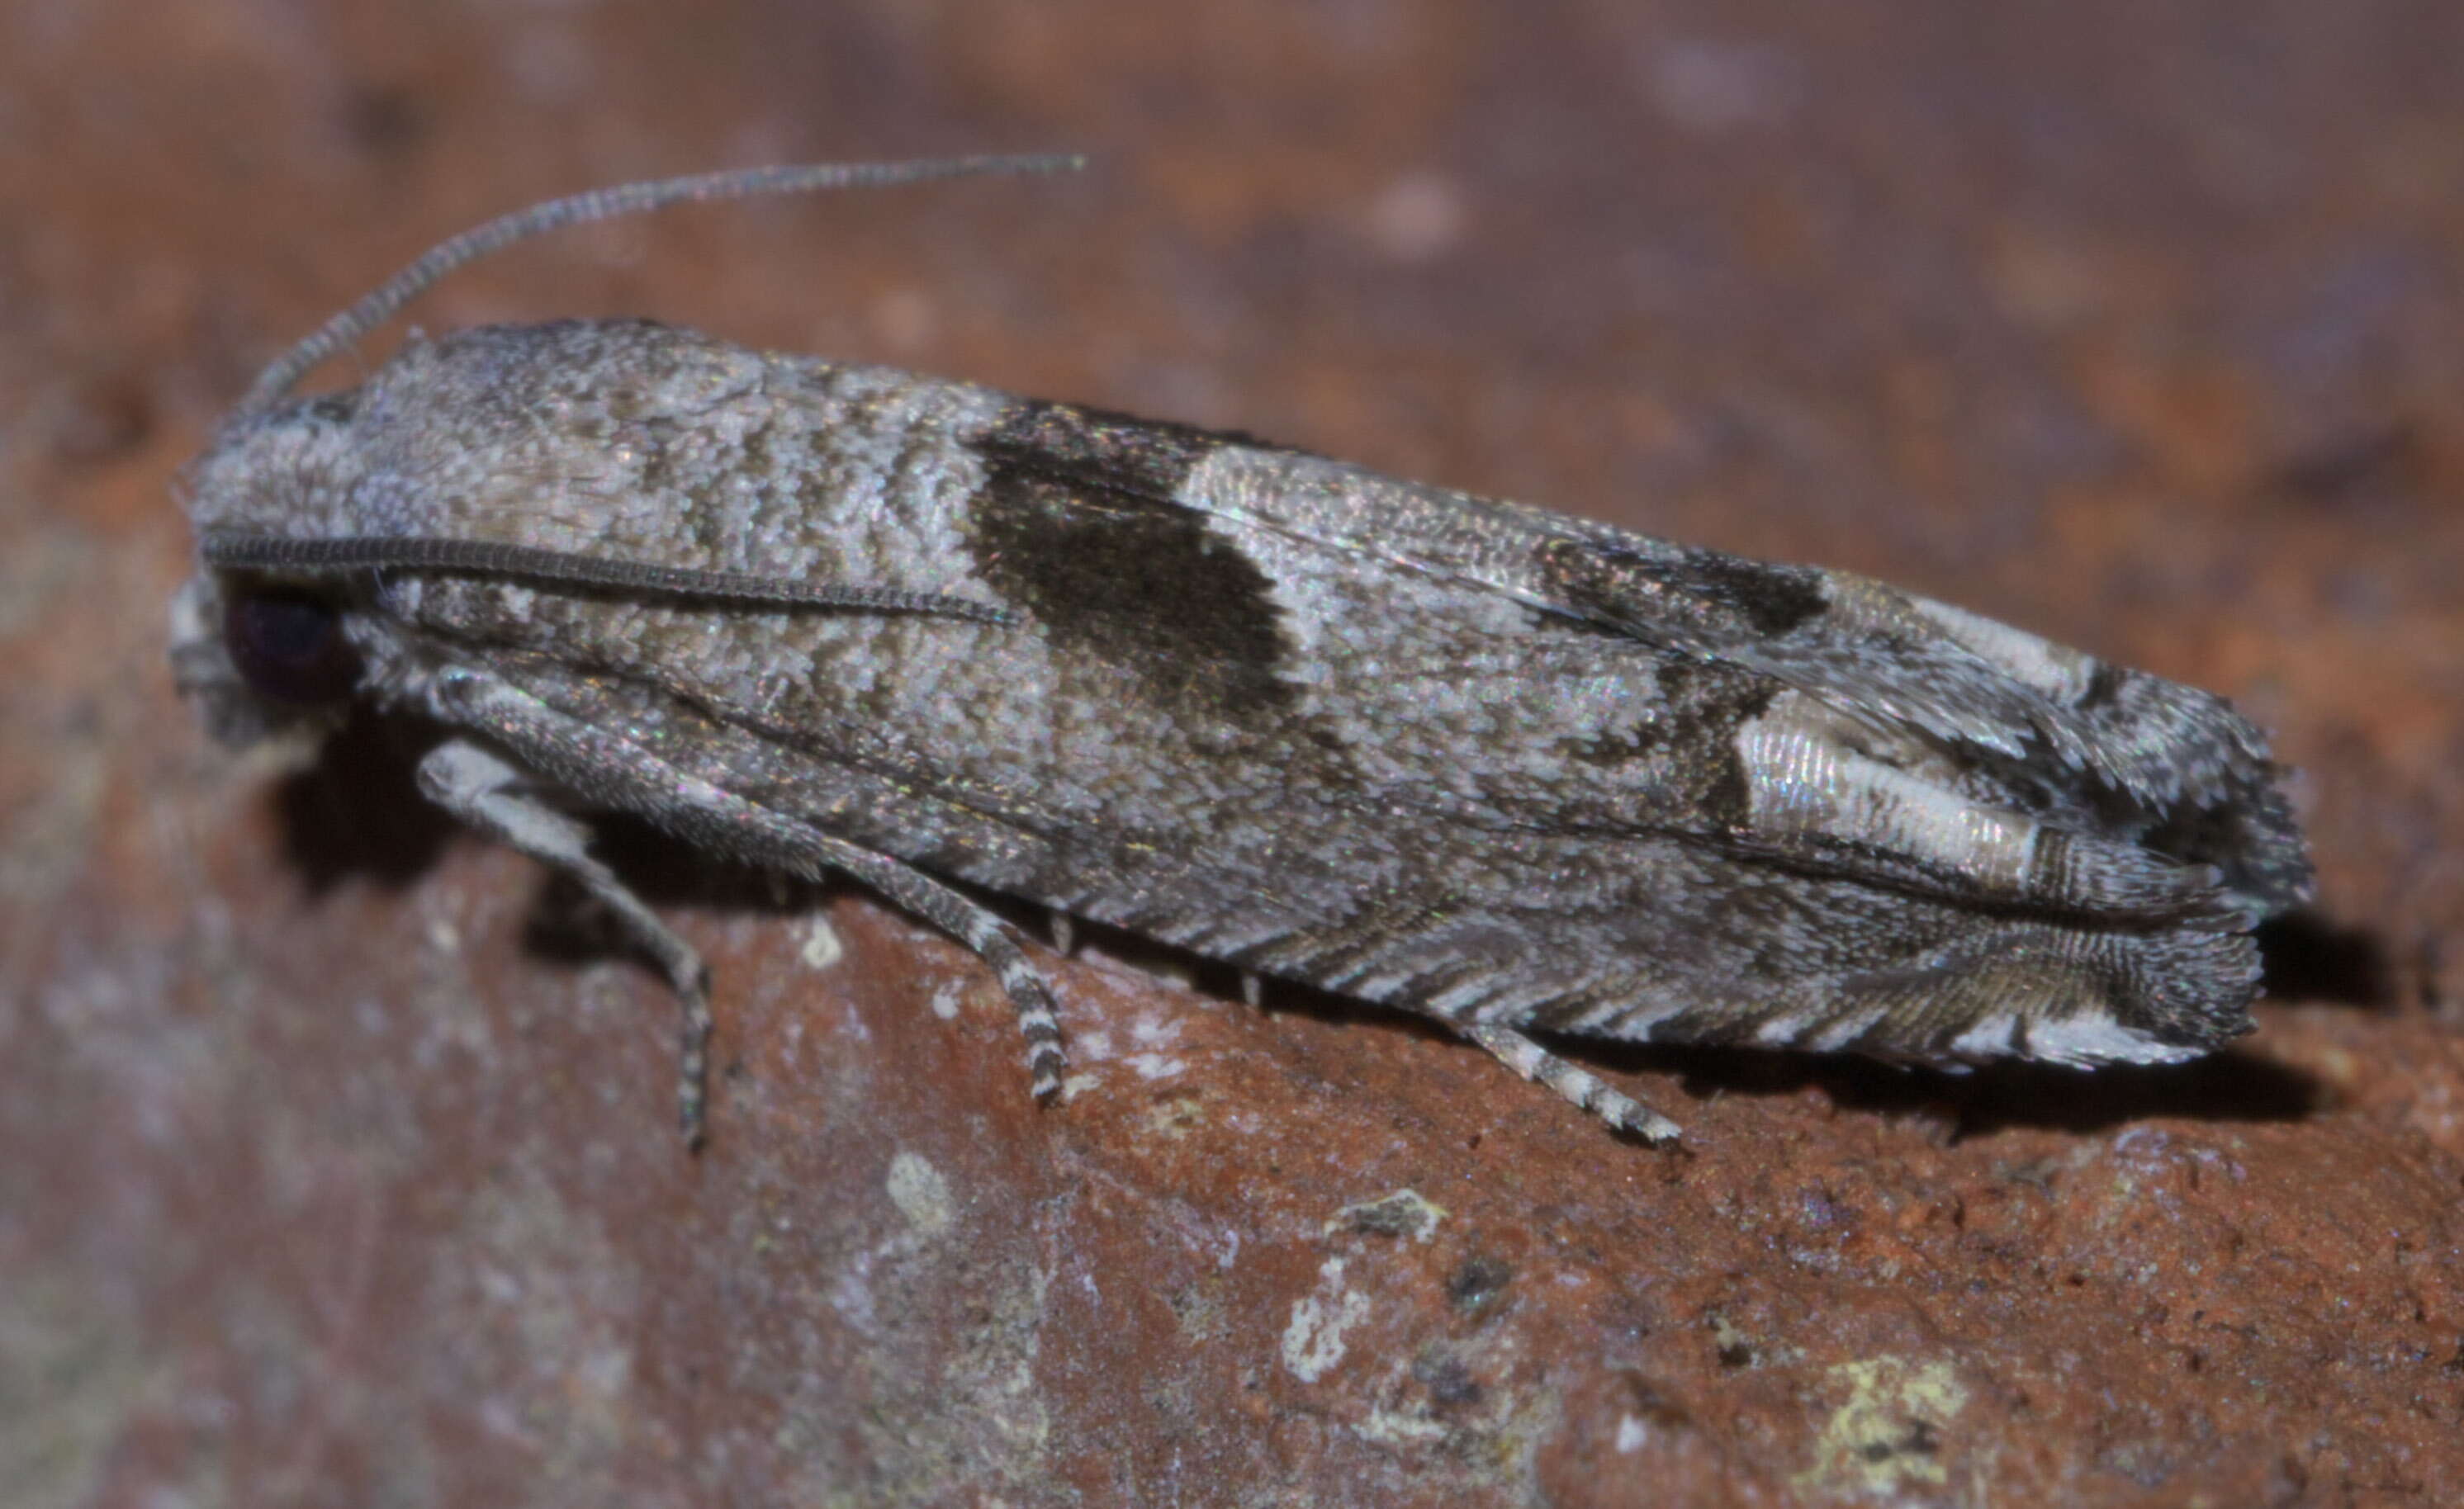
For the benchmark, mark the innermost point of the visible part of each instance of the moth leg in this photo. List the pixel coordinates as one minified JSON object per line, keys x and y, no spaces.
{"x":810,"y":851}
{"x":1540,"y":1066}
{"x":606,"y":768}
{"x":1064,"y":933}
{"x":491,"y":796}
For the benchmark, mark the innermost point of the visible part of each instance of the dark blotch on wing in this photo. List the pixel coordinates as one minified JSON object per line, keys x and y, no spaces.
{"x":1121,"y":452}
{"x":2103,"y":688}
{"x":1773,"y":598}
{"x":1080,"y":523}
{"x":1659,"y":594}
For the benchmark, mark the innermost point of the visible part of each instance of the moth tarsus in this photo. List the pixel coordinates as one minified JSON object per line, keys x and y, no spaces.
{"x":1517,"y":771}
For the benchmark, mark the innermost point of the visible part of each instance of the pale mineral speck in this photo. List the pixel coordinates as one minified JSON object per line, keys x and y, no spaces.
{"x":1397,"y":1428}
{"x":1864,"y":1448}
{"x":1077,"y":1083}
{"x":1156,"y":1032}
{"x":444,"y":935}
{"x":920,"y":1194}
{"x":822,"y":949}
{"x":1313,"y":1342}
{"x":1155,"y":1065}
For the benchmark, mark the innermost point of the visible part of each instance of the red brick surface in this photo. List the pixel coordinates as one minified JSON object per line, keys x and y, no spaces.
{"x":335,"y":1168}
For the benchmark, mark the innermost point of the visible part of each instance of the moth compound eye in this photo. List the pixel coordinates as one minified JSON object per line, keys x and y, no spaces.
{"x":289,"y":648}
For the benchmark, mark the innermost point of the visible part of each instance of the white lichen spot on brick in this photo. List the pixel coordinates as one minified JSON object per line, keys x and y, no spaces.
{"x":1888,"y":1434}
{"x":1313,"y":1341}
{"x":444,"y":935}
{"x":1176,"y":1114}
{"x":1154,"y":1034}
{"x":1395,"y":1427}
{"x":1076,"y":1083}
{"x":921,"y":1194}
{"x":822,"y":946}
{"x":1155,"y":1065}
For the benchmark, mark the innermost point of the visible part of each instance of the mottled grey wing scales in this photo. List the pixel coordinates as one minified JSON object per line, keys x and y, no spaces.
{"x":2101,"y":751}
{"x":2123,"y":932}
{"x":2133,"y":754}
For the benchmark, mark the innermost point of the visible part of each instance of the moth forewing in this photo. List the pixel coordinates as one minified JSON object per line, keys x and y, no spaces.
{"x":1517,"y":771}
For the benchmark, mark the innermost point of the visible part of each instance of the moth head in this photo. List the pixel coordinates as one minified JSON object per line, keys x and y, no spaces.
{"x":262,"y":657}
{"x":262,"y":652}
{"x":265,"y":639}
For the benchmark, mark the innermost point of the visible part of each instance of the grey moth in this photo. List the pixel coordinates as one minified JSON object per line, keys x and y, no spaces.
{"x":1513,"y":770}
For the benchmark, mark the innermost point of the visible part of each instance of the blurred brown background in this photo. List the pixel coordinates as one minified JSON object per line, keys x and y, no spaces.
{"x":335,"y":1155}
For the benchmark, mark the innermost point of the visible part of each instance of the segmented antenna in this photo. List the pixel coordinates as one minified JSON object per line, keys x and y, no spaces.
{"x":606,"y":204}
{"x":487,"y":558}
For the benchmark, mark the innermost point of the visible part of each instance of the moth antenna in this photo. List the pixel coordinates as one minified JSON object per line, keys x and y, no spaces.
{"x":381,"y":304}
{"x":488,"y":557}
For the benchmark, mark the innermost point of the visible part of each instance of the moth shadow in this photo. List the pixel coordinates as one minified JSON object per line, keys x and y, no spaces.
{"x":568,"y":926}
{"x":2309,"y":957}
{"x":2233,"y":1085}
{"x":356,"y":812}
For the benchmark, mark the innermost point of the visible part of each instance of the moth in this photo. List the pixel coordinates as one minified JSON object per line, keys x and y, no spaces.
{"x":1517,"y":771}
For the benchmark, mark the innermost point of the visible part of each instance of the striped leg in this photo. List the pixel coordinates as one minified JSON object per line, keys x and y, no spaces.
{"x":495,"y":798}
{"x":986,"y":937}
{"x":1540,"y":1066}
{"x":608,"y":769}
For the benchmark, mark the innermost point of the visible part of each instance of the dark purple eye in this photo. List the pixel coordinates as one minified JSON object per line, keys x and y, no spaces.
{"x":289,"y":648}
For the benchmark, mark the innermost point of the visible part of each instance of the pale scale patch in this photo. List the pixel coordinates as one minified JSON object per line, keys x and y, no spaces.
{"x":1801,"y":781}
{"x":2059,"y":671}
{"x":1433,"y":662}
{"x":2085,"y":1040}
{"x":1993,"y":1037}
